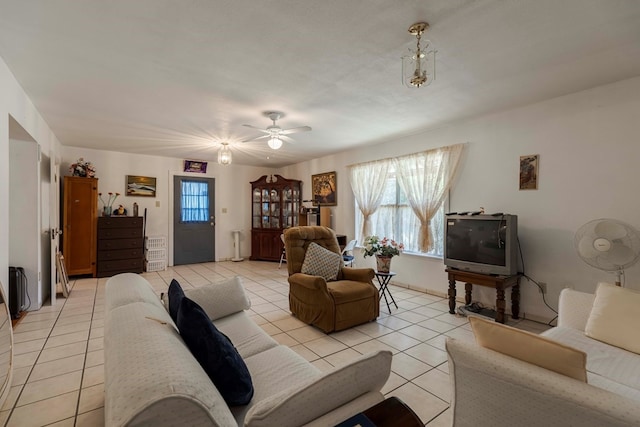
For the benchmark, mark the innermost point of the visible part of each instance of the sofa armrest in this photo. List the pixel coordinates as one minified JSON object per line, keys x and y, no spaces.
{"x":358,"y":274}
{"x":314,"y":283}
{"x":574,"y":308}
{"x":314,"y":398}
{"x":218,"y":299}
{"x":490,"y":388}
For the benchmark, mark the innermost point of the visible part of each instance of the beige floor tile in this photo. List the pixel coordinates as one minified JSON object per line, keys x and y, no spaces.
{"x":373,"y":345}
{"x":35,"y":391}
{"x":28,"y":347}
{"x":275,"y":315}
{"x":20,"y":375}
{"x":95,"y":344}
{"x":436,"y":382}
{"x":62,"y":351}
{"x":33,"y":326}
{"x":26,"y":359}
{"x":394,"y":323}
{"x":12,"y":398}
{"x":419,"y":333}
{"x":350,"y":337}
{"x":444,"y":367}
{"x":74,"y":319}
{"x":285,"y":339}
{"x":96,"y":333}
{"x":306,"y":334}
{"x":454,"y":319}
{"x":71,"y":327}
{"x":20,"y":337}
{"x":94,"y":358}
{"x":265,"y":308}
{"x":325,"y":346}
{"x":461,"y":334}
{"x":343,"y":357}
{"x":57,"y":367}
{"x":445,"y":419}
{"x":45,"y":412}
{"x":393,"y":383}
{"x":69,"y":422}
{"x":423,"y":403}
{"x":427,"y":311}
{"x":399,"y":341}
{"x":437,"y":325}
{"x":374,"y":329}
{"x":411,"y":316}
{"x":305,"y":352}
{"x":93,"y":418}
{"x":91,"y":398}
{"x":67,"y":339}
{"x":289,"y":323}
{"x":270,"y":329}
{"x":428,"y":354}
{"x":408,"y":367}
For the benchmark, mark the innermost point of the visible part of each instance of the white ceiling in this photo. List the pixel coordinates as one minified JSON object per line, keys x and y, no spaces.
{"x":177,"y":77}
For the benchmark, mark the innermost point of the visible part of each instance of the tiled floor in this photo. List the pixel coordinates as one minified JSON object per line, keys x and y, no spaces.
{"x":58,"y":377}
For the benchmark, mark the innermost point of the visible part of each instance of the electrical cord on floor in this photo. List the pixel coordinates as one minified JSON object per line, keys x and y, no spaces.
{"x":536,"y":283}
{"x":26,"y":290}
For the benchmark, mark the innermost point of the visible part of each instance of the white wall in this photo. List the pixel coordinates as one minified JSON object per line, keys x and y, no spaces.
{"x":232,"y":188}
{"x":16,"y":104}
{"x":589,"y":152}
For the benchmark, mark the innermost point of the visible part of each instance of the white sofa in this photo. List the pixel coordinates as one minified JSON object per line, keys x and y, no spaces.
{"x":490,"y":388}
{"x":151,"y":378}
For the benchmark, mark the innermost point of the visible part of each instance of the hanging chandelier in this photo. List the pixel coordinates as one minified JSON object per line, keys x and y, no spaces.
{"x":419,"y":67}
{"x":224,"y":155}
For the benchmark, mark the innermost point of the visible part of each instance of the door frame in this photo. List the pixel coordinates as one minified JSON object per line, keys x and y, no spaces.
{"x":170,"y":206}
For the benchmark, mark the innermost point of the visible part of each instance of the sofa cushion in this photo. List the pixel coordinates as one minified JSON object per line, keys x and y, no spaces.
{"x":175,"y":294}
{"x":615,"y":318}
{"x":247,"y":337}
{"x":531,"y":348}
{"x":305,"y":402}
{"x":215,"y":353}
{"x":319,"y":261}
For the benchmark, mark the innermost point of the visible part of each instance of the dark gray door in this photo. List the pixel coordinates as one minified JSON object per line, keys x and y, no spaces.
{"x":193,"y":220}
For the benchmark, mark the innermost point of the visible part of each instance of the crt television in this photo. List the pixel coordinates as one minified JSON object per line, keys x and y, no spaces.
{"x":486,"y":244}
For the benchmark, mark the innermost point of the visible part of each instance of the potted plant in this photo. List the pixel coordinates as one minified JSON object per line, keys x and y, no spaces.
{"x":384,"y":250}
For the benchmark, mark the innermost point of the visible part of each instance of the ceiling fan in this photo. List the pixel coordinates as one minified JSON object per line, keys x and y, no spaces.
{"x":275,"y":133}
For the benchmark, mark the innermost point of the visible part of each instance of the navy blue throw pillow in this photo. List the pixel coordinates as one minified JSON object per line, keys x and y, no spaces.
{"x":175,"y":295}
{"x":215,"y":353}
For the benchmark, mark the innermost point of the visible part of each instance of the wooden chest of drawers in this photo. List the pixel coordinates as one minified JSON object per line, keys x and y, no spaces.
{"x":120,"y":245}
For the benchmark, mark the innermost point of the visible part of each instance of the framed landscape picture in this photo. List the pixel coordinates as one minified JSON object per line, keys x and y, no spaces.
{"x":195,"y":166}
{"x":324,"y":189}
{"x":143,"y":186}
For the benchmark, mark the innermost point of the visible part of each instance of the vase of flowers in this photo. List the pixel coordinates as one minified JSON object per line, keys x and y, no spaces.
{"x":384,"y":250}
{"x":82,"y":168}
{"x":107,"y":207}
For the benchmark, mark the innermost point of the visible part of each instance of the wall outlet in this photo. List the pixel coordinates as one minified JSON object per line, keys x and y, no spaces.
{"x":543,"y":287}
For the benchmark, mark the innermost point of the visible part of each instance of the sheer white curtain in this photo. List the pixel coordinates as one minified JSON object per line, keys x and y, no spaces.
{"x":367,"y":182}
{"x":425,"y":179}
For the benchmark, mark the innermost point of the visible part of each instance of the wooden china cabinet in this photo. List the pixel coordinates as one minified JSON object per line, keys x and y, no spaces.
{"x":275,"y":204}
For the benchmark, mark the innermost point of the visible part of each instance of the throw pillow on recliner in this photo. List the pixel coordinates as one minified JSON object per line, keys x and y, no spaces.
{"x":319,"y":261}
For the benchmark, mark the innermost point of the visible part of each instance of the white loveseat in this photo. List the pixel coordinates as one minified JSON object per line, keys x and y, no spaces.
{"x":490,"y":388}
{"x":151,"y":378}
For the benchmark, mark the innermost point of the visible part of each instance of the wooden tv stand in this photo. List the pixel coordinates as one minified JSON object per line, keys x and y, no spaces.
{"x":499,"y":283}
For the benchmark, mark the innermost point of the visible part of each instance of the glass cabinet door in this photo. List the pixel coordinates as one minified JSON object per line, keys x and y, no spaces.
{"x":256,"y":199}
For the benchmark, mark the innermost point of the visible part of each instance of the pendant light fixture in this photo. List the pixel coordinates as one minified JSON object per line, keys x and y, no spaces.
{"x":224,"y":155}
{"x":274,"y":143}
{"x":419,"y":67}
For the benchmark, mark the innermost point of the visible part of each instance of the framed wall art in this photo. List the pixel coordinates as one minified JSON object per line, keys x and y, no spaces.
{"x":324,"y":188}
{"x":143,"y":186}
{"x":195,"y":166}
{"x":529,"y":172}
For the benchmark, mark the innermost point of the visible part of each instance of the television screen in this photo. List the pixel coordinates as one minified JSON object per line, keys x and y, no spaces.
{"x":482,"y":243}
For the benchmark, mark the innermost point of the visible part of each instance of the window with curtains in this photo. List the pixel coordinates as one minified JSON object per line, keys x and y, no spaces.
{"x":396,"y":220}
{"x":195,"y":201}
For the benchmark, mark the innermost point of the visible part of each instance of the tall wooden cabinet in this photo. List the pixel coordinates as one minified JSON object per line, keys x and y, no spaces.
{"x":79,"y":216}
{"x":275,"y":204}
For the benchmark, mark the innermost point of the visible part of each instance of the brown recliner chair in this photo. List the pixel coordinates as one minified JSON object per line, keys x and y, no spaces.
{"x":350,"y":300}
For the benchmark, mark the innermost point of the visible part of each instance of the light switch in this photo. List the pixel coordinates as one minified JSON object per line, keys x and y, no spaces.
{"x":224,"y":210}
{"x":157,"y":203}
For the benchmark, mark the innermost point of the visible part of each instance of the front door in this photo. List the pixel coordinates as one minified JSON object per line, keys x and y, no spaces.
{"x":193,"y":220}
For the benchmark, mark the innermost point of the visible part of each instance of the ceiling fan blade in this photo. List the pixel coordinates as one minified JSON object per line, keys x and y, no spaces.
{"x":256,"y":138}
{"x":295,"y":130}
{"x":256,"y":128}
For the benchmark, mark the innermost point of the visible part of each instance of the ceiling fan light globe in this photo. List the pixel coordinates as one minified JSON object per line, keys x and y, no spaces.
{"x":275,"y":143}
